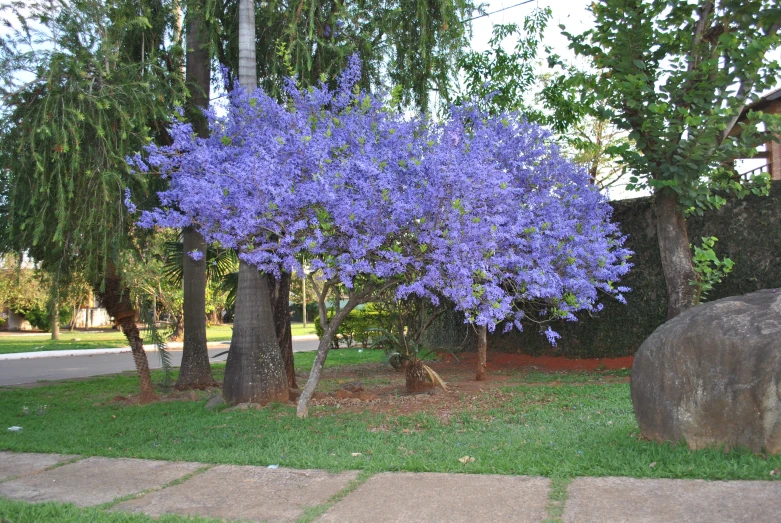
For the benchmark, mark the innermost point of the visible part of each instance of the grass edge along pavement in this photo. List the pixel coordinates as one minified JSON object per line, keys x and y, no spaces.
{"x":19,"y":342}
{"x":12,"y":511}
{"x":313,"y":512}
{"x":534,"y":424}
{"x":557,"y":499}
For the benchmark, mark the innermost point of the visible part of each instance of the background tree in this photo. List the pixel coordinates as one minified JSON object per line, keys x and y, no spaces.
{"x":499,"y":80}
{"x":411,"y":44}
{"x":84,"y":84}
{"x":195,"y":371}
{"x":22,"y":288}
{"x":677,"y":76}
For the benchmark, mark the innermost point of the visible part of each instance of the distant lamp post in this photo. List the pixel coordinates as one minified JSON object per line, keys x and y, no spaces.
{"x":303,"y":292}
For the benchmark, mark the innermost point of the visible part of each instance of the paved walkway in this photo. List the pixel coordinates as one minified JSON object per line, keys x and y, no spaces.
{"x":248,"y":493}
{"x":25,"y":367}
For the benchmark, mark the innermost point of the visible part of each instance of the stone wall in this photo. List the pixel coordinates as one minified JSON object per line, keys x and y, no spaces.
{"x":749,"y":232}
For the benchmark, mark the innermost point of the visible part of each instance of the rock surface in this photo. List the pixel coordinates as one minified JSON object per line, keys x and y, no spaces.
{"x":712,"y":376}
{"x":353,"y":386}
{"x":214,"y":402}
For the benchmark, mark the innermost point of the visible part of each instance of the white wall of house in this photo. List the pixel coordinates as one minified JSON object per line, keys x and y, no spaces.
{"x":16,"y":323}
{"x":88,"y":318}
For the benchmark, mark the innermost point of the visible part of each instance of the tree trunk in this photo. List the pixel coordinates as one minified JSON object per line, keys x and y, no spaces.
{"x":248,"y":68}
{"x":482,"y":347}
{"x":675,"y":253}
{"x":280,"y":303}
{"x":329,"y":332}
{"x":195,"y":371}
{"x":416,"y":377}
{"x":302,"y":411}
{"x":254,"y":372}
{"x":55,"y":320}
{"x":116,"y":299}
{"x":178,"y":332}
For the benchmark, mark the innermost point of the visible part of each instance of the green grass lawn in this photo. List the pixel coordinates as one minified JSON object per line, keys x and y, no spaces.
{"x":528,"y":426}
{"x":103,"y":338}
{"x":20,"y":512}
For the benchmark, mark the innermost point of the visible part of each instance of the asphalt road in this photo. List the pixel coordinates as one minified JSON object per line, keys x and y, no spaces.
{"x":23,"y":371}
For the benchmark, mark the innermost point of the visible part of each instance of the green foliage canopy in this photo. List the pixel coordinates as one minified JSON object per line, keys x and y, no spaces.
{"x":411,"y":44}
{"x":84,"y":84}
{"x":678,"y":76}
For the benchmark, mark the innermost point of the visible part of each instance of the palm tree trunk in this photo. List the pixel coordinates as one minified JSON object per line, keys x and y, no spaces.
{"x":254,"y":372}
{"x":248,"y":68}
{"x":675,"y":253}
{"x":195,"y":371}
{"x":116,"y":299}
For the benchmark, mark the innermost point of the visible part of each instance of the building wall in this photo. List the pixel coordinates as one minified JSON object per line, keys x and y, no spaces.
{"x":16,"y":323}
{"x":88,"y":318}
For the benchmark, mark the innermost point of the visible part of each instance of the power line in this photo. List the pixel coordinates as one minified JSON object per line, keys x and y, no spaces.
{"x":497,"y":11}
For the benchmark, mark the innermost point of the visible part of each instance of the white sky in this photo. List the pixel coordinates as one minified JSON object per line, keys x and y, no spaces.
{"x":570,"y":13}
{"x":576,"y":18}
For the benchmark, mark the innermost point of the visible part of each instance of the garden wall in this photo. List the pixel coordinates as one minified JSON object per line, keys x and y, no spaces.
{"x":749,"y":232}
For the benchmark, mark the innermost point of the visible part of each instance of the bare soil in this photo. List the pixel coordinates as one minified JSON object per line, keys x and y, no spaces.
{"x":387,"y":388}
{"x":463,"y":391}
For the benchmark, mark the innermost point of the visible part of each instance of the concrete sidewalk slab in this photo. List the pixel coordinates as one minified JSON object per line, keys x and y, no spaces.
{"x":468,"y":498}
{"x":21,"y":464}
{"x":664,"y":500}
{"x":94,"y":481}
{"x":245,"y":493}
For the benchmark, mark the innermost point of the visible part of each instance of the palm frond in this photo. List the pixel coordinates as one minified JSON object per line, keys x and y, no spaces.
{"x":435,"y":378}
{"x":229,"y":284}
{"x":158,"y":337}
{"x":219,"y":262}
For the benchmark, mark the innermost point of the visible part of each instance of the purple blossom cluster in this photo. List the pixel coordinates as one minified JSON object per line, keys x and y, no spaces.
{"x":481,"y":210}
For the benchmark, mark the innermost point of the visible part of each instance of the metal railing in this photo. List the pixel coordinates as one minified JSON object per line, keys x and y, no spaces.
{"x":746,"y":176}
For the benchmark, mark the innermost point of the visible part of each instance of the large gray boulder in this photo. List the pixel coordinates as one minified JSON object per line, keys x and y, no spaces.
{"x":712,"y":376}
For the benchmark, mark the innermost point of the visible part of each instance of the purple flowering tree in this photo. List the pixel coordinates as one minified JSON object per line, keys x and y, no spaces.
{"x":480,"y":210}
{"x":523,"y":236}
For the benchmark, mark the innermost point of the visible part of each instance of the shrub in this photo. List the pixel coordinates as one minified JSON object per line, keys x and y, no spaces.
{"x":356,"y":328}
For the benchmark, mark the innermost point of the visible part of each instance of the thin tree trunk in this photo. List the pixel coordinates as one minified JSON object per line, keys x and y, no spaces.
{"x":178,"y":332}
{"x":254,"y":372}
{"x":280,"y":303}
{"x":302,"y":411}
{"x":329,"y":331}
{"x":195,"y":371}
{"x":74,"y":318}
{"x":55,"y":320}
{"x":675,"y":253}
{"x":482,"y":347}
{"x":116,"y":299}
